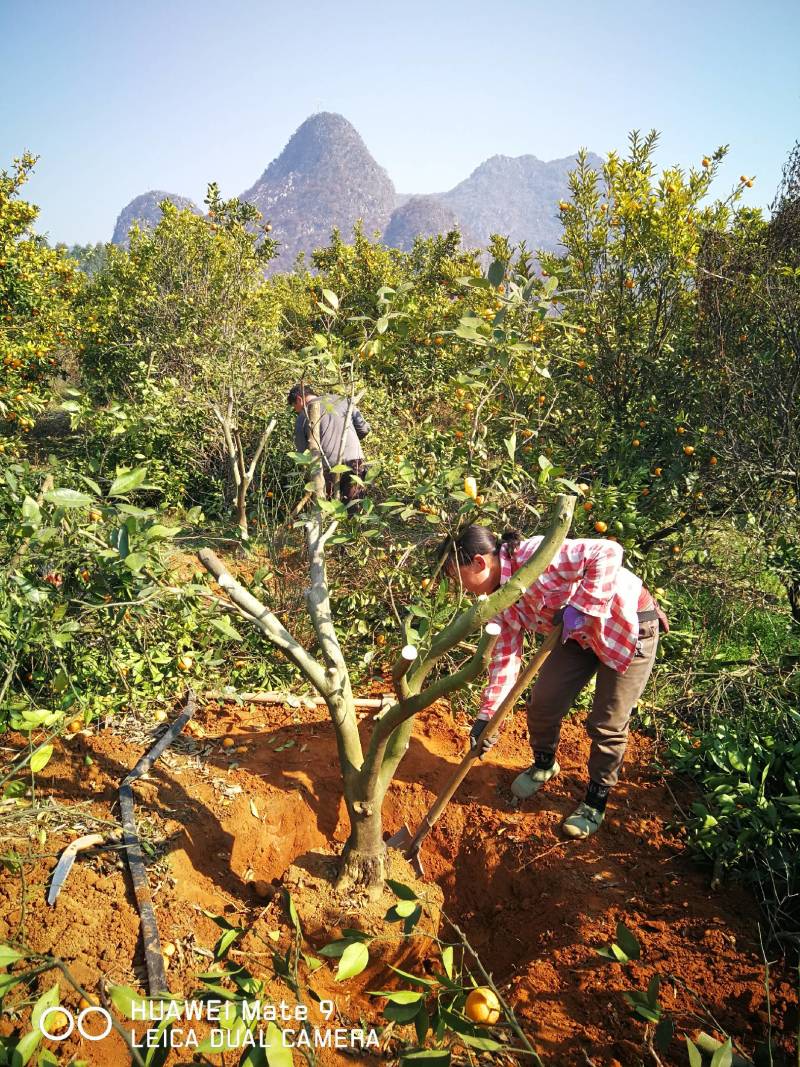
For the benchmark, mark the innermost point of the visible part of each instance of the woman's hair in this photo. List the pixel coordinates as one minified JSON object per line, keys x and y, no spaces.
{"x":475,"y":541}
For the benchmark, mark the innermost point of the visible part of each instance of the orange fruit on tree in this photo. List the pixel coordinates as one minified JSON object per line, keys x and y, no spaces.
{"x":425,"y":583}
{"x":688,"y":450}
{"x":588,"y":505}
{"x":600,"y":526}
{"x":636,"y":442}
{"x":469,"y":406}
{"x":713,"y":461}
{"x":185,"y":663}
{"x":380,"y":639}
{"x":657,"y":472}
{"x":482,"y":1006}
{"x":680,"y":429}
{"x":228,"y":742}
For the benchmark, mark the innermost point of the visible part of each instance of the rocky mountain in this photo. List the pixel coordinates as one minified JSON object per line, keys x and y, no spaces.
{"x":324,"y":177}
{"x":419,"y":216}
{"x":145,"y":211}
{"x":517,"y":196}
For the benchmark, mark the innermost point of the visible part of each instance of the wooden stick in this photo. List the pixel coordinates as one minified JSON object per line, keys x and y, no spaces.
{"x":290,"y":699}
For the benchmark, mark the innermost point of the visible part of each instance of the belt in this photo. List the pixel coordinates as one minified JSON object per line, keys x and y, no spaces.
{"x":648,"y":616}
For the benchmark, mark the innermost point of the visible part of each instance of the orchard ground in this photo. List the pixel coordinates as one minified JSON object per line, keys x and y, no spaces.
{"x":220,"y":819}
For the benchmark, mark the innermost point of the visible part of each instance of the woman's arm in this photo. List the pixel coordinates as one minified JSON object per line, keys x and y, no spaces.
{"x":504,"y":667}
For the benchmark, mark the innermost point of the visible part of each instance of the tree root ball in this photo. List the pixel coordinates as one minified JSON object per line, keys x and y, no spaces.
{"x":328,"y":905}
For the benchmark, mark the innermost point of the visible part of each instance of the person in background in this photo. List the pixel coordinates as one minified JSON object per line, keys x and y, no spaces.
{"x":610,"y":627}
{"x":340,"y":437}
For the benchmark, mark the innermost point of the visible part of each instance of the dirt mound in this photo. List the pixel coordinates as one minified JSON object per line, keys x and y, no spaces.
{"x":223,"y":825}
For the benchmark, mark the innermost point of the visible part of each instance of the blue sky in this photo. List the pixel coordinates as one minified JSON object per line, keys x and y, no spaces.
{"x":121,"y":97}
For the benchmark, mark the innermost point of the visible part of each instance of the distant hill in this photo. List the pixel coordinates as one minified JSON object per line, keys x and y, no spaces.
{"x":419,"y":216}
{"x":145,"y":211}
{"x":517,"y":196}
{"x":325,"y":177}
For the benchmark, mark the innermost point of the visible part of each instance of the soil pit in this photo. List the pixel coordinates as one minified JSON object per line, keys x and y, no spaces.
{"x":227,"y":827}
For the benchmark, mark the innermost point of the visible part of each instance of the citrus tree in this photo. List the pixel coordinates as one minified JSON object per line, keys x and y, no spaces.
{"x":38,"y":286}
{"x":179,"y":332}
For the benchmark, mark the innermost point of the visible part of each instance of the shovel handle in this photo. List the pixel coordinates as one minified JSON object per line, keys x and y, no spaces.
{"x":510,"y":702}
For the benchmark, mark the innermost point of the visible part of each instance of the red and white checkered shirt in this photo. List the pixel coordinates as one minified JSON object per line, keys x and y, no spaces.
{"x":586,"y":573}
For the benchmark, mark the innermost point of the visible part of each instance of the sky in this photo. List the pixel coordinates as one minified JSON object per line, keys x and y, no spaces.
{"x":118,"y":97}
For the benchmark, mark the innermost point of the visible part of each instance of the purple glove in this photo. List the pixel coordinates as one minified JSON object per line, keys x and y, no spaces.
{"x":571,"y":622}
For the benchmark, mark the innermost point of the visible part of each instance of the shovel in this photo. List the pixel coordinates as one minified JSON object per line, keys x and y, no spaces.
{"x":403,"y":839}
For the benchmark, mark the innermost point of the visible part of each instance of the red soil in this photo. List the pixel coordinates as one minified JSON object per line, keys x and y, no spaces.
{"x":533,"y":905}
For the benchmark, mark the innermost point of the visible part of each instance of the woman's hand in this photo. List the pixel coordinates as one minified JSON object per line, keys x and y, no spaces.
{"x":476,"y":740}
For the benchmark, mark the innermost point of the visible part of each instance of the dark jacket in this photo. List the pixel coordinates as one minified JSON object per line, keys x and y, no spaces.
{"x":333,"y":410}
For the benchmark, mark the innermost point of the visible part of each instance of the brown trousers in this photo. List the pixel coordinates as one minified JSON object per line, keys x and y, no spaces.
{"x":349,"y":491}
{"x":568,"y":668}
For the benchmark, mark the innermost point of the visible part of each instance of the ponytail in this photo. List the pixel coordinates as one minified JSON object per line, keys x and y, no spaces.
{"x":475,"y":540}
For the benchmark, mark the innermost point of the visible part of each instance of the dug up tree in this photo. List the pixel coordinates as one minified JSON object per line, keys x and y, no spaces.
{"x":369,"y":763}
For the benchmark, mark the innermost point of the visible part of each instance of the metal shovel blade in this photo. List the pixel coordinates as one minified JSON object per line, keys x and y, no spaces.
{"x":408,"y":844}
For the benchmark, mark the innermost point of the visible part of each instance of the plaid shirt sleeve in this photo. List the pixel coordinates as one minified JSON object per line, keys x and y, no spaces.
{"x":504,"y":665}
{"x":600,"y":562}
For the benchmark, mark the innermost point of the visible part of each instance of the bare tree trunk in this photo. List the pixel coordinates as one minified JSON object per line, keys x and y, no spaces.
{"x":239,"y":473}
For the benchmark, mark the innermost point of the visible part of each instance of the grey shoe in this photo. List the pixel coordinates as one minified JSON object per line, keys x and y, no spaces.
{"x":583,"y":822}
{"x":532,"y":780}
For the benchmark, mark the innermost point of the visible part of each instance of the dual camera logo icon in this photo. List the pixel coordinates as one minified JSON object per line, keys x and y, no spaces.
{"x":73,"y":1021}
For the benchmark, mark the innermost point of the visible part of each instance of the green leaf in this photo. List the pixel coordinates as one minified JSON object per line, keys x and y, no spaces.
{"x":127,"y":480}
{"x":49,"y":999}
{"x":278,"y":1055}
{"x":8,"y":955}
{"x":627,"y":942}
{"x":401,"y":1013}
{"x":723,"y":1057}
{"x":404,"y":892}
{"x":695,"y":1055}
{"x":354,"y":959}
{"x":382,"y":324}
{"x":496,"y":272}
{"x":7,"y":982}
{"x":331,"y":298}
{"x":487,"y":1044}
{"x":665,"y":1031}
{"x":123,"y":998}
{"x":226,"y":628}
{"x":135,"y":561}
{"x":511,"y":445}
{"x":31,"y":512}
{"x":447,"y":961}
{"x":25,"y":1048}
{"x":225,"y":942}
{"x":399,"y":996}
{"x":431,"y":1057}
{"x":335,"y":949}
{"x":293,"y":913}
{"x":68,"y":498}
{"x":45,"y":1059}
{"x":404,"y":908}
{"x":653,"y":986}
{"x":41,"y":758}
{"x":157,"y":532}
